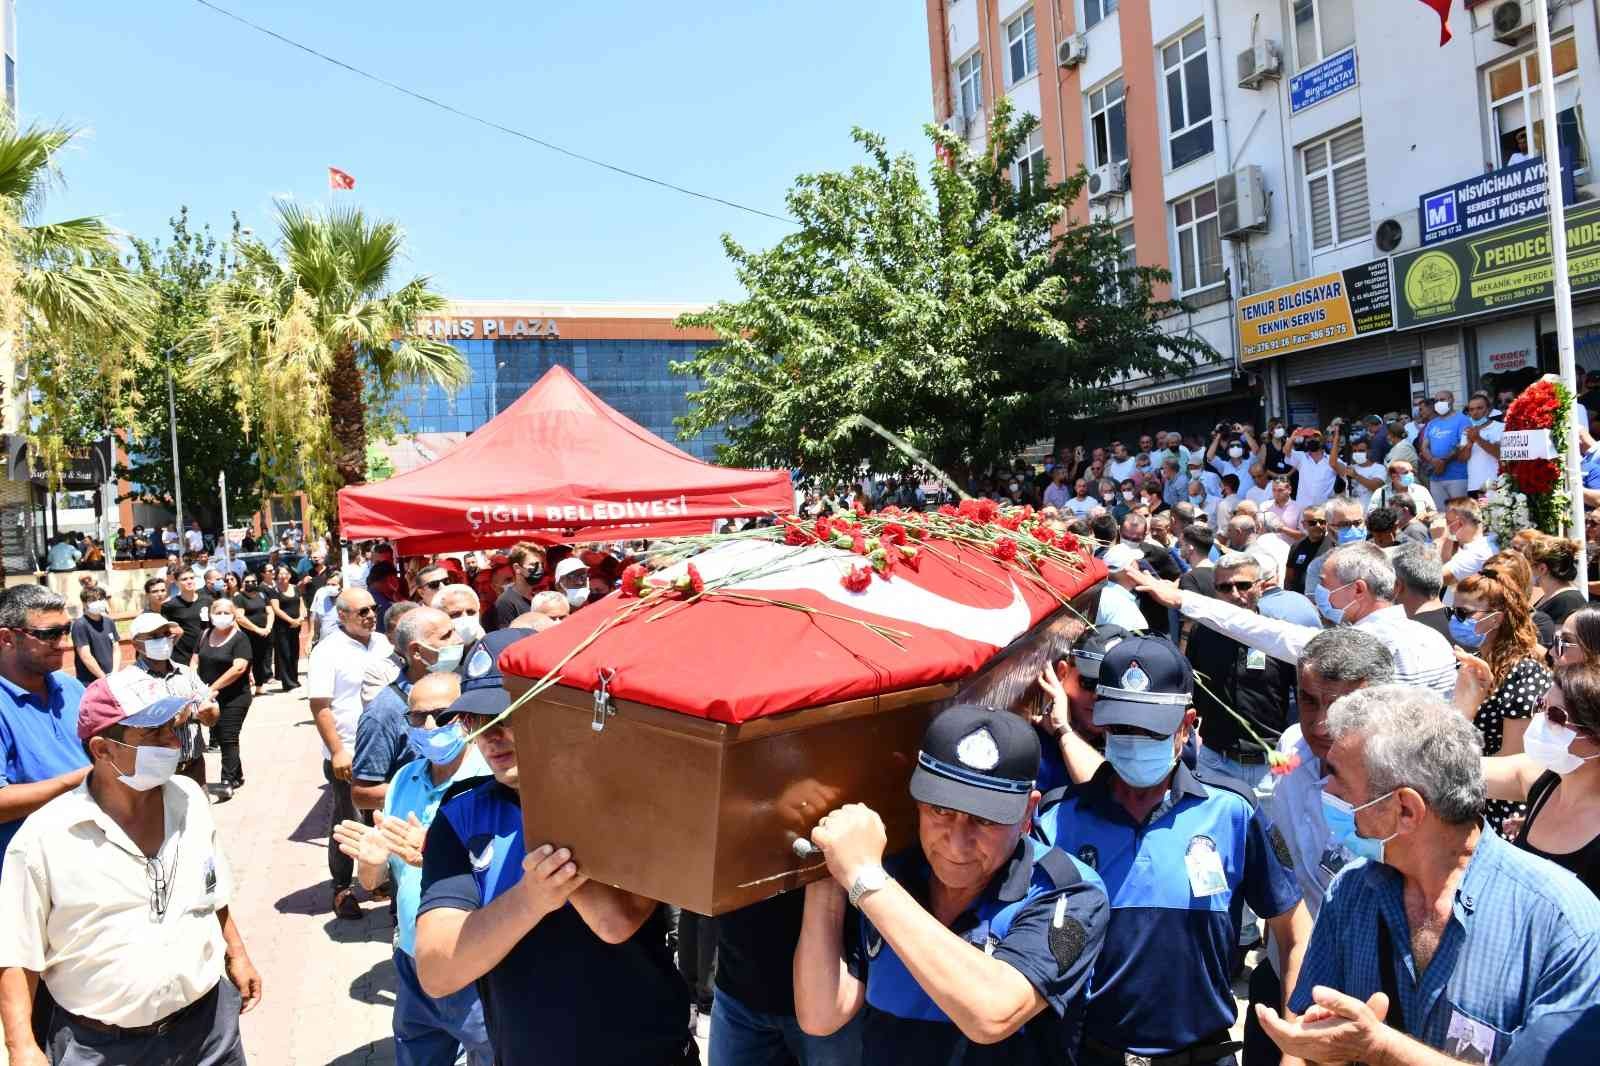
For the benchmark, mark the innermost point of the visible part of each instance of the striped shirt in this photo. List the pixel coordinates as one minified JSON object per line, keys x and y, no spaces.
{"x":1422,"y":657}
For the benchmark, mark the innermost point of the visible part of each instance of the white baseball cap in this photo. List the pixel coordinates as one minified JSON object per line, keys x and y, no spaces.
{"x":148,"y":624}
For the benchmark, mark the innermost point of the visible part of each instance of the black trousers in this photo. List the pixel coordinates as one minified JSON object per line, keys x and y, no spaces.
{"x":341,"y":867}
{"x":286,"y":652}
{"x":696,"y":940}
{"x":229,"y":724}
{"x":1265,"y":987}
{"x":261,"y":657}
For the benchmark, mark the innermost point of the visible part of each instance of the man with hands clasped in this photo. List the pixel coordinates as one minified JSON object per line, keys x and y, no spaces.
{"x":974,"y":946}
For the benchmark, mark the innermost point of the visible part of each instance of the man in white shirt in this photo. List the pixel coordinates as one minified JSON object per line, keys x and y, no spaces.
{"x":333,"y":683}
{"x":1483,"y":434}
{"x":1081,"y":503}
{"x":1466,"y":548}
{"x":115,"y":896}
{"x":1058,"y":492}
{"x":1122,"y":464}
{"x":1236,"y":456}
{"x":1303,"y":451}
{"x":1260,"y":488}
{"x":193,"y":539}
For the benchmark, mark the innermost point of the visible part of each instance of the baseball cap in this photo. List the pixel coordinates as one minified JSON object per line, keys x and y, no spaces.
{"x":148,"y":624}
{"x":979,"y":761}
{"x":1122,"y":556}
{"x":128,"y":697}
{"x":1091,"y":652}
{"x":1144,"y":682}
{"x":480,"y":700}
{"x":567,"y":566}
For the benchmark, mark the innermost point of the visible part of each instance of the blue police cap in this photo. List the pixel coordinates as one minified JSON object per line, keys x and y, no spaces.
{"x":1144,"y":682}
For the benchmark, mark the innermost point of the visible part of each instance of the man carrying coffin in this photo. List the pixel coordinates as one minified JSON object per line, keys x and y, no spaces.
{"x":976,"y":945}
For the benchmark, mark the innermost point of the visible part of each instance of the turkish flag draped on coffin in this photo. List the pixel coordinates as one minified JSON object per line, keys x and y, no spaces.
{"x":558,"y":465}
{"x":733,"y":660}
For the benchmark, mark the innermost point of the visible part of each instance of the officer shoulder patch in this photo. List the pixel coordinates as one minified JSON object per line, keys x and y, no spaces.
{"x":1280,"y":847}
{"x":1089,"y":855}
{"x":1067,"y":935}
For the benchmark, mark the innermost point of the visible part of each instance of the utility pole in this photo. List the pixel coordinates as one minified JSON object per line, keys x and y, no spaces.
{"x":222,"y":490}
{"x":177,"y":478}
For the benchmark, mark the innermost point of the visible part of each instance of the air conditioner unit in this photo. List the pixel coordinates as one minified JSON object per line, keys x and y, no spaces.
{"x":1108,"y":181}
{"x":1258,"y":64}
{"x":1242,"y":203}
{"x":1073,"y":50}
{"x":1512,"y":20}
{"x":1398,"y":234}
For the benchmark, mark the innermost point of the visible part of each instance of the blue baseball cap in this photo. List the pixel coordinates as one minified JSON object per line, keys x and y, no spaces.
{"x":1144,"y":682}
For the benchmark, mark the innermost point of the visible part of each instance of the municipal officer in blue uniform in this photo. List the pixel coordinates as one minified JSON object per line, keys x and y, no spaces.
{"x":975,"y":946}
{"x":571,"y":972}
{"x":1180,"y":852}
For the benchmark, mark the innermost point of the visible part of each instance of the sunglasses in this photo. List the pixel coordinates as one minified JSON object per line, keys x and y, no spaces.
{"x":1357,"y":524}
{"x":49,"y":635}
{"x":419,"y":719}
{"x":362,"y":612}
{"x":436,"y":585}
{"x":1315,"y":522}
{"x":1562,"y":644}
{"x":1558,"y":716}
{"x":1235,"y":586}
{"x":1465,"y":614}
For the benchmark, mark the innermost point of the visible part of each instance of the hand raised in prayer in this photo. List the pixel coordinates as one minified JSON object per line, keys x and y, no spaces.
{"x":361,"y":842}
{"x":402,"y":836}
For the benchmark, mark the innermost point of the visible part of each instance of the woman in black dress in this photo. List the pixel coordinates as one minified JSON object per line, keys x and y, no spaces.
{"x":256,"y":618}
{"x":1558,"y":774}
{"x":289,"y":615}
{"x":223,"y":663}
{"x":1555,"y":575}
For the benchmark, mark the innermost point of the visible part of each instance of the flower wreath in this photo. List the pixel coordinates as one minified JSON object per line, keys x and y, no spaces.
{"x":1534,"y":490}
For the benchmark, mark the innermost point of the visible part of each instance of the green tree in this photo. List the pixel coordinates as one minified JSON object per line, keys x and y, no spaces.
{"x":73,"y":315}
{"x":213,"y":437}
{"x":969,"y":316}
{"x":312,"y":333}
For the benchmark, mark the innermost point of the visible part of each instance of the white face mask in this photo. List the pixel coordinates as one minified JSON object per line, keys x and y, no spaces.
{"x":1277,"y":433}
{"x":1235,"y":452}
{"x":1441,"y":407}
{"x":222,"y":622}
{"x":158,"y":649}
{"x":578,"y":597}
{"x":1358,"y":458}
{"x":96,"y":608}
{"x":1550,"y":745}
{"x":152,"y":766}
{"x":468,"y":628}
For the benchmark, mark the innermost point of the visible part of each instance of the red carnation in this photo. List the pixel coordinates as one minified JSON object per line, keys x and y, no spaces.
{"x":1005,"y":549}
{"x":690,"y":583}
{"x":1067,"y":542}
{"x":890,"y":510}
{"x":986,"y":510}
{"x":1284,"y":765}
{"x":858,"y":543}
{"x":857,"y":579}
{"x":948,"y":511}
{"x":1011,"y":521}
{"x":892,"y":533}
{"x":858,"y":508}
{"x":794,"y":535}
{"x":968,"y":508}
{"x":883,"y":560}
{"x":911,"y":555}
{"x":824,"y":527}
{"x":633,"y":581}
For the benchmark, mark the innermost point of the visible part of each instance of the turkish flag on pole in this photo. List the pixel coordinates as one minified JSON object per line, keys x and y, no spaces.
{"x":1443,"y":8}
{"x":338,"y":179}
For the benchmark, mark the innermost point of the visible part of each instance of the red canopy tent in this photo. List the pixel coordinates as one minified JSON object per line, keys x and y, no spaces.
{"x":557,"y":465}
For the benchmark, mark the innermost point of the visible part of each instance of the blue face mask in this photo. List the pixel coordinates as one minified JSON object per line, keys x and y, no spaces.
{"x":438,"y":746}
{"x":1464,"y":631}
{"x":1408,"y":479}
{"x":1140,"y":761}
{"x":1480,"y":421}
{"x":1350,"y":535}
{"x":1324,"y":599}
{"x":1341,"y":819}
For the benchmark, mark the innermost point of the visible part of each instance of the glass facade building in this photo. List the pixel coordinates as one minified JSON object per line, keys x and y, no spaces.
{"x":630,"y":373}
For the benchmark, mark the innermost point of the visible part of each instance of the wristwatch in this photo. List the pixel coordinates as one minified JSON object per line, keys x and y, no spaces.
{"x":868,"y":880}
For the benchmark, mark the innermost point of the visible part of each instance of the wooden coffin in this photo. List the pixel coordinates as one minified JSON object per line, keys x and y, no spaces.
{"x":704,"y":814}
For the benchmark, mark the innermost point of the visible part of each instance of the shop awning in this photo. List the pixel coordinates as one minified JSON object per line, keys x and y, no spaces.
{"x":557,"y":465}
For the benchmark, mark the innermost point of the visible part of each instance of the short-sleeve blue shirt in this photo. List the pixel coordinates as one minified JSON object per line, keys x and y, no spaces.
{"x":1444,"y":437}
{"x":1590,"y":466}
{"x":1044,"y":914}
{"x":1523,"y":941}
{"x":412,"y":791}
{"x":381,"y":747}
{"x":1162,"y":981}
{"x":38,"y":736}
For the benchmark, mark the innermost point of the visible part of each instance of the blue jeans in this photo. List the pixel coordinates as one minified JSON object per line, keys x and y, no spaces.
{"x":436,"y":1032}
{"x":743,"y":1037}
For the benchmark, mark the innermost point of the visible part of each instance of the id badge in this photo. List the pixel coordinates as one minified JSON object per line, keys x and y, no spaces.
{"x":1469,"y":1040}
{"x":1255,"y":659}
{"x":1205,"y":873}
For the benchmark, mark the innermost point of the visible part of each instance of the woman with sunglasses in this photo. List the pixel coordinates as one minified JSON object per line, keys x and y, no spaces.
{"x":1558,"y":774}
{"x":1579,"y":638}
{"x":288,"y":616}
{"x":1502,"y":681}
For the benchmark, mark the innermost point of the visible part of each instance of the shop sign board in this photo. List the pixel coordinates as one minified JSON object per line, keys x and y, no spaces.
{"x":1497,"y":198}
{"x":1138,"y":401}
{"x":1328,"y":78}
{"x":1507,"y":346}
{"x":1318,"y":311}
{"x":1490,"y":271}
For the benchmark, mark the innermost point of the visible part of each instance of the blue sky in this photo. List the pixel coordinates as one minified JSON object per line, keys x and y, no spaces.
{"x":179,"y":105}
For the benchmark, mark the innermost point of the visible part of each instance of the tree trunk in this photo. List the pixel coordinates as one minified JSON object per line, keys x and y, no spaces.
{"x":348,"y":414}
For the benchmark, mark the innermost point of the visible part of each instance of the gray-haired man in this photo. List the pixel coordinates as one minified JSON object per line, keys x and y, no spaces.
{"x":1447,"y":939}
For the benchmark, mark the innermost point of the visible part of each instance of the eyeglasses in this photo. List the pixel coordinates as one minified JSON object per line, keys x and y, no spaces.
{"x":361,"y":612}
{"x":1315,"y":522}
{"x":1355,"y":523}
{"x":1466,"y":614}
{"x":1235,"y":586}
{"x":419,"y":719}
{"x":50,"y":634}
{"x":436,"y":585}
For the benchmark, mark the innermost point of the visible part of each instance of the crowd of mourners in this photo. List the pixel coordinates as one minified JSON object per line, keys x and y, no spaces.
{"x":1325,"y":746}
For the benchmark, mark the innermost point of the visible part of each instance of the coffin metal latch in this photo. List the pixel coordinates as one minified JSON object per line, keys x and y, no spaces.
{"x":602,"y":701}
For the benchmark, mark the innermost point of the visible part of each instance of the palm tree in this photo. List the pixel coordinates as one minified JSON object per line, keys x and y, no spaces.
{"x":313,"y":332}
{"x":70,"y":312}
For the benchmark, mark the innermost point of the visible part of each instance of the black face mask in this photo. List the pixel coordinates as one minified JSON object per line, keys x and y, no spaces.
{"x":533,"y":574}
{"x":1312,"y":445}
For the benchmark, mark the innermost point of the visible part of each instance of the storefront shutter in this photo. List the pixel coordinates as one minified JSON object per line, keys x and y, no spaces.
{"x":1373,"y":356}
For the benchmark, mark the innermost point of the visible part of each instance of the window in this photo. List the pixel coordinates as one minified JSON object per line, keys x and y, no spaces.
{"x":1095,"y":10}
{"x":1336,"y":189}
{"x":1322,"y":28}
{"x":1188,"y":97}
{"x":969,"y":87}
{"x":1199,"y":241}
{"x":1108,"y":124}
{"x":1115,"y":289}
{"x":1030,"y":165}
{"x":1515,"y":111}
{"x":1125,"y":236}
{"x":1022,"y":48}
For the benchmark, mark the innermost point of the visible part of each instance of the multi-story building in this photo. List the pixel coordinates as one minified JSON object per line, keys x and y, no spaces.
{"x":1351,"y":211}
{"x":620,"y":351}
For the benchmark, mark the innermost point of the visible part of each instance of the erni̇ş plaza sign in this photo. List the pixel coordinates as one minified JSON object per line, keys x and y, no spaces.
{"x":490,"y":328}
